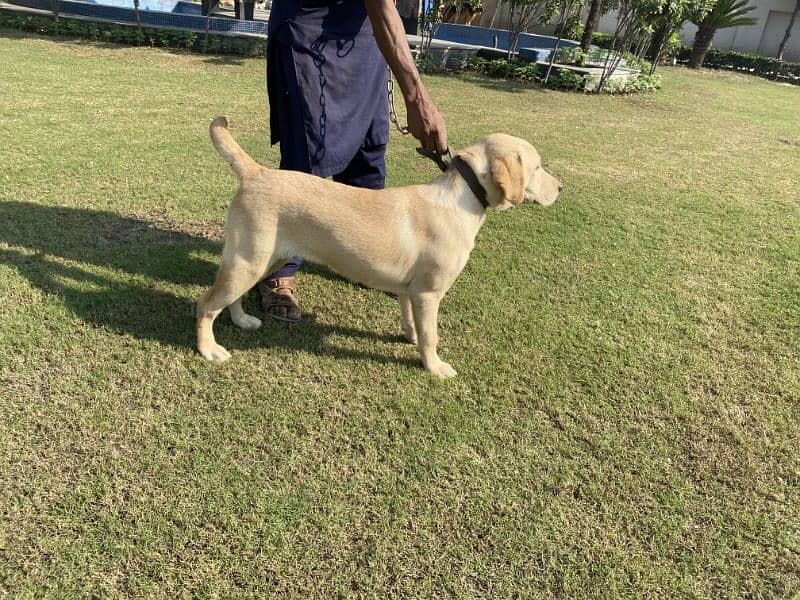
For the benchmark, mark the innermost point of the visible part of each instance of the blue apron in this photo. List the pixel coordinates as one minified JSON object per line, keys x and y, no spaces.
{"x":326,"y":80}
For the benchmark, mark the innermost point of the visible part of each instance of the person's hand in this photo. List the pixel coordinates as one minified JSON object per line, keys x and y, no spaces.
{"x":426,"y":124}
{"x":424,"y":121}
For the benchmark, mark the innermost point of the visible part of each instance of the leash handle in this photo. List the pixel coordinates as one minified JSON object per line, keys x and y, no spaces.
{"x":437,"y":157}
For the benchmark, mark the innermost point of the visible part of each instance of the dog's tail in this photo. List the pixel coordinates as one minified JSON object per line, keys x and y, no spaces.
{"x":229,"y":149}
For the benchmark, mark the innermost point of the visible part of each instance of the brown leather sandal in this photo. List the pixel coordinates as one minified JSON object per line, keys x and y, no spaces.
{"x":278,"y":301}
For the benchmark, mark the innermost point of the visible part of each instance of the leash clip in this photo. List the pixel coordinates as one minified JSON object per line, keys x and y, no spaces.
{"x":437,"y":157}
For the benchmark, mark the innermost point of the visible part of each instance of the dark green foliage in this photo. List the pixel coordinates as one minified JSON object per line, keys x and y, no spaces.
{"x":565,"y":79}
{"x":673,"y":45}
{"x":602,"y":40}
{"x":644,"y":82}
{"x":507,"y":69}
{"x":516,"y":69}
{"x":176,"y":39}
{"x":561,"y":79}
{"x":763,"y":66}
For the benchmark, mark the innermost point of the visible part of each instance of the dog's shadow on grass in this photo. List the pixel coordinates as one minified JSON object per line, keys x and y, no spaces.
{"x":127,"y":275}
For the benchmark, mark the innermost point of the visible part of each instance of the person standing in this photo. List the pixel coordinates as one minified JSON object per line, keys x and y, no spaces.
{"x":327,"y":82}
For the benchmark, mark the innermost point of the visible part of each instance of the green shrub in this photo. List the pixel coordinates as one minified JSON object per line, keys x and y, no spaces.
{"x":565,"y":79}
{"x":641,"y":64}
{"x":673,"y":45}
{"x":763,"y":66}
{"x":185,"y":40}
{"x":506,"y":69}
{"x":573,"y":28}
{"x":569,"y":55}
{"x":602,"y":40}
{"x":132,"y":35}
{"x":562,"y":79}
{"x":643,"y":82}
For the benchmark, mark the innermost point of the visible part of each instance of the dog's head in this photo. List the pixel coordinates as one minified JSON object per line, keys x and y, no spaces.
{"x":511,"y":171}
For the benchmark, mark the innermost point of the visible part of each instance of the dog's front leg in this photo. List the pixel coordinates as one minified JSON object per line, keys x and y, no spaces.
{"x":426,"y":311}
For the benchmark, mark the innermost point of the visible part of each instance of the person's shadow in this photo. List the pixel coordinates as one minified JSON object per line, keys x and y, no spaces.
{"x":131,"y":276}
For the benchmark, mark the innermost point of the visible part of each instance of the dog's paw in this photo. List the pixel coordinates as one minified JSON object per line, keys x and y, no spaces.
{"x":248,"y":322}
{"x":215,"y":353}
{"x":442,"y":370}
{"x":410,"y":337}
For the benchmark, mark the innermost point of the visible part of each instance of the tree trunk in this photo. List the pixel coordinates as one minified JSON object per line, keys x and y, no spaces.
{"x":657,"y":43}
{"x":552,"y":59}
{"x":591,"y":24}
{"x":136,"y":13}
{"x":494,"y":15}
{"x":513,"y":39}
{"x":702,"y":44}
{"x":513,"y":35}
{"x":788,"y":33}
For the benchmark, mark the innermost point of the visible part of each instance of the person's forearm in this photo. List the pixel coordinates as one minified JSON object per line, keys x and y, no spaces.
{"x":424,"y":121}
{"x":393,"y":43}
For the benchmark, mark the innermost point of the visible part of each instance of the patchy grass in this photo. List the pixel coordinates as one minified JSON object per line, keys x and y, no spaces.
{"x":625,"y":420}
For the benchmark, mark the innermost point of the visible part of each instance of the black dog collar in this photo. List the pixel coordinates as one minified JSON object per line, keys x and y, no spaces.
{"x":469,"y":176}
{"x":462,"y":168}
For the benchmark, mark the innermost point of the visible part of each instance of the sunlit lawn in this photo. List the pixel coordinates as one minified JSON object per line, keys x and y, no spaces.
{"x":624,"y":422}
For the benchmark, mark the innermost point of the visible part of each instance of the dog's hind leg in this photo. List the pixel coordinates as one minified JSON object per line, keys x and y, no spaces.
{"x":233,"y":281}
{"x":407,"y":318}
{"x":241,"y":318}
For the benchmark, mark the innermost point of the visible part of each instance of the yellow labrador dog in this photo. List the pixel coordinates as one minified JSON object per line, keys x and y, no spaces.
{"x":412,"y":241}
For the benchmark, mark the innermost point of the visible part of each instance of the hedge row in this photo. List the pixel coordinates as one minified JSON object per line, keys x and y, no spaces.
{"x":220,"y":44}
{"x":564,"y":79}
{"x":133,"y":35}
{"x":763,"y":66}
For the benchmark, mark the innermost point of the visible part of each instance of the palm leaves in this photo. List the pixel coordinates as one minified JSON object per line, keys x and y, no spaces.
{"x":724,"y":14}
{"x":727,"y":13}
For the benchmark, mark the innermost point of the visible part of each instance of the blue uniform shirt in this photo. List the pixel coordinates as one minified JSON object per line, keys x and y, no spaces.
{"x":326,"y":80}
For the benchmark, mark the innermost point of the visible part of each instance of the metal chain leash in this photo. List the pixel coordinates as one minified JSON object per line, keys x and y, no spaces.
{"x":392,"y":112}
{"x":435,"y":156}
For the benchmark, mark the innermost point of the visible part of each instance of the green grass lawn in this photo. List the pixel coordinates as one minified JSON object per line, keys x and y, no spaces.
{"x":626,"y":418}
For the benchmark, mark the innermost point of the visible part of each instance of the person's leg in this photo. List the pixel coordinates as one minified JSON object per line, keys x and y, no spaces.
{"x":367,"y":169}
{"x":277,"y":289}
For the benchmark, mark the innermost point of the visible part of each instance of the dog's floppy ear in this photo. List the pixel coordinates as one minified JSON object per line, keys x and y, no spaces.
{"x":508,"y":176}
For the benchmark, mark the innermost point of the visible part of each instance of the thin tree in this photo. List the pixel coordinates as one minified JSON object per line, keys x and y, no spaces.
{"x":497,"y":8}
{"x":669,"y":18}
{"x":136,"y":13}
{"x":724,"y":14}
{"x":565,"y":10}
{"x":430,"y":23}
{"x":788,"y":34}
{"x":632,"y":23}
{"x":524,"y":14}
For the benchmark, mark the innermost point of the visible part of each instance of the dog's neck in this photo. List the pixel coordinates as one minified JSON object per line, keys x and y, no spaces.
{"x":451,"y":192}
{"x":471,"y":179}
